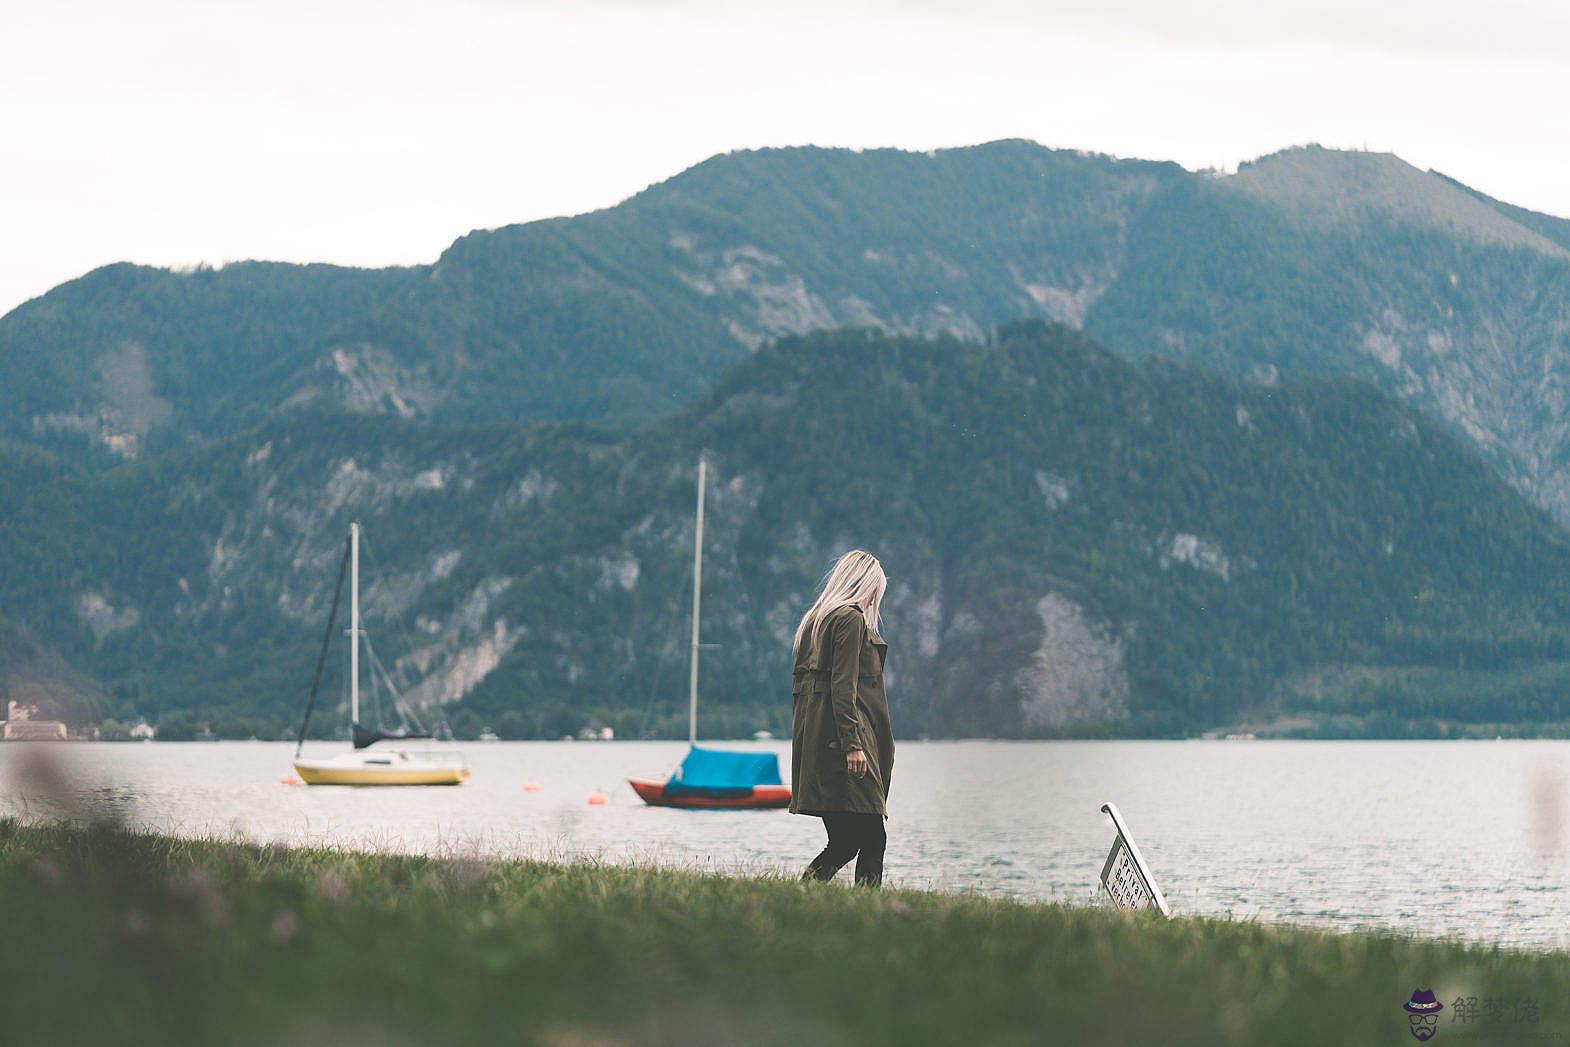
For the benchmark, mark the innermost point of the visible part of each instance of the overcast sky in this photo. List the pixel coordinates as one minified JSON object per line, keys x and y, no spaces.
{"x":174,"y":132}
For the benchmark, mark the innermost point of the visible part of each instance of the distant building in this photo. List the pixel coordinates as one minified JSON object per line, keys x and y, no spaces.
{"x":596,"y":731}
{"x":22,"y":726}
{"x":144,"y":731}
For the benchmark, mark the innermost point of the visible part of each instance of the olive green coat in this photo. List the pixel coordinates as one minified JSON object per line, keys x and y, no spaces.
{"x":838,"y":705}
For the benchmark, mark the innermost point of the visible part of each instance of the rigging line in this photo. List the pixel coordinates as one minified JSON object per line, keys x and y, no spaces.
{"x":376,"y":687}
{"x":321,"y":659}
{"x":408,"y":637}
{"x":343,"y":699}
{"x":405,"y":714}
{"x":659,"y":663}
{"x":439,"y":728}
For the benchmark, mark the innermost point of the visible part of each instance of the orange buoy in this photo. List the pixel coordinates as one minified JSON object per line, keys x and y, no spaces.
{"x":531,"y":787}
{"x":596,"y":799}
{"x":288,"y":780}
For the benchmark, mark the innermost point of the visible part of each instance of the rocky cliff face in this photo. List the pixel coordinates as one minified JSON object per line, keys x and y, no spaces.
{"x":1076,"y":545}
{"x":1081,"y":545}
{"x":617,"y":317}
{"x":1310,"y":261}
{"x":1462,"y":307}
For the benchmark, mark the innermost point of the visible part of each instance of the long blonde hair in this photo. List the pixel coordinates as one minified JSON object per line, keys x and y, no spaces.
{"x":853,"y":578}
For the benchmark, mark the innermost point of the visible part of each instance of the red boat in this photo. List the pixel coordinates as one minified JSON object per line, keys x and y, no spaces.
{"x":713,"y":779}
{"x":652,"y":790}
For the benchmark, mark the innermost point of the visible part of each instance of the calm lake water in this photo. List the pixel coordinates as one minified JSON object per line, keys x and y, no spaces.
{"x":1456,"y":839}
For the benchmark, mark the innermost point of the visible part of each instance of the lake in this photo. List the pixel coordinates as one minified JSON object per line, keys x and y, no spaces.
{"x":1454,"y":839}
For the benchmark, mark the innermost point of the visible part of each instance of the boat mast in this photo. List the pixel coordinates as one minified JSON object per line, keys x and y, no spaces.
{"x":697,"y":592}
{"x":354,"y":624}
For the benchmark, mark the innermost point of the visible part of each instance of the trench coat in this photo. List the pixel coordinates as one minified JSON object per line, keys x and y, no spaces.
{"x":838,"y":705}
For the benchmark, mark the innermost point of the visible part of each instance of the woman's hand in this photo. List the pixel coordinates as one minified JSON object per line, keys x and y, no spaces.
{"x":856,"y":762}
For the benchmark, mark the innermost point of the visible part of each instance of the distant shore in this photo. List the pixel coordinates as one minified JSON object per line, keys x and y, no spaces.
{"x":1282,"y":728}
{"x":127,"y":938}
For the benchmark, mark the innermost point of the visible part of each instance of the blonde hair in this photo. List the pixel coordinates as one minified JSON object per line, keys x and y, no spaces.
{"x":854,"y":578}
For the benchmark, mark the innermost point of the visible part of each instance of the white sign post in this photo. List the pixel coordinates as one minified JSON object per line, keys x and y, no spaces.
{"x":1125,"y":877}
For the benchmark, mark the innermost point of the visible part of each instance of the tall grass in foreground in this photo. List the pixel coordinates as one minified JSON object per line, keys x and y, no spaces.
{"x":108,"y":937}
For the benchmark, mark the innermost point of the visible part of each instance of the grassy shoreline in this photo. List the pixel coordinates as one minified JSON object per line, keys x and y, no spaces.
{"x":131,"y":938}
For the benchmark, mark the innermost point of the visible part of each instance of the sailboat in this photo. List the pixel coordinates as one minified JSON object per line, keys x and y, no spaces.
{"x":712,"y":778}
{"x":365,"y":765}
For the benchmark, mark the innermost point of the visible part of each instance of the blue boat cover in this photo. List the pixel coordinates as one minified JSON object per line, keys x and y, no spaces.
{"x":714,"y":772}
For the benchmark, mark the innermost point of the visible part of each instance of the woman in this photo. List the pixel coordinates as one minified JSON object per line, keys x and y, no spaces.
{"x":842,"y":748}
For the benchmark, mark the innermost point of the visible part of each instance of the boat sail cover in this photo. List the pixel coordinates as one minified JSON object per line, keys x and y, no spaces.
{"x":364,"y":737}
{"x":714,"y":772}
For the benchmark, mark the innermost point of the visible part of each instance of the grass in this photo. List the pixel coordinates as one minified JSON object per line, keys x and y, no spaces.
{"x":110,"y":937}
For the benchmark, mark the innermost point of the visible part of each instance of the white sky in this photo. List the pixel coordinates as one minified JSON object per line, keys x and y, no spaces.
{"x":376,"y":132}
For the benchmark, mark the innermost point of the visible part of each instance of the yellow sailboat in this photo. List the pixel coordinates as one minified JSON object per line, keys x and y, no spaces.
{"x":363,"y":765}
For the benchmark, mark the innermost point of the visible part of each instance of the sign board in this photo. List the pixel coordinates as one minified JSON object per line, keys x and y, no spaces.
{"x":1125,"y":876}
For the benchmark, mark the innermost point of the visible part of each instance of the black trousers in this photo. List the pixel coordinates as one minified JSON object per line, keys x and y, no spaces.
{"x":858,"y":836}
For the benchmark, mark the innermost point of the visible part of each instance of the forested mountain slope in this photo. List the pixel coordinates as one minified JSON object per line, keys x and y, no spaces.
{"x":1310,"y":260}
{"x":1077,"y":545}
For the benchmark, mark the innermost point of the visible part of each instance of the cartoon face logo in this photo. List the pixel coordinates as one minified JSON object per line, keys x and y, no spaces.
{"x":1422,"y":1015}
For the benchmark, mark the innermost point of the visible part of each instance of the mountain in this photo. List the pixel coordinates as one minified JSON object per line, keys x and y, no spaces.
{"x":1307,"y":261}
{"x":1077,"y":545}
{"x":618,"y":317}
{"x":1315,"y":261}
{"x":33,"y":674}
